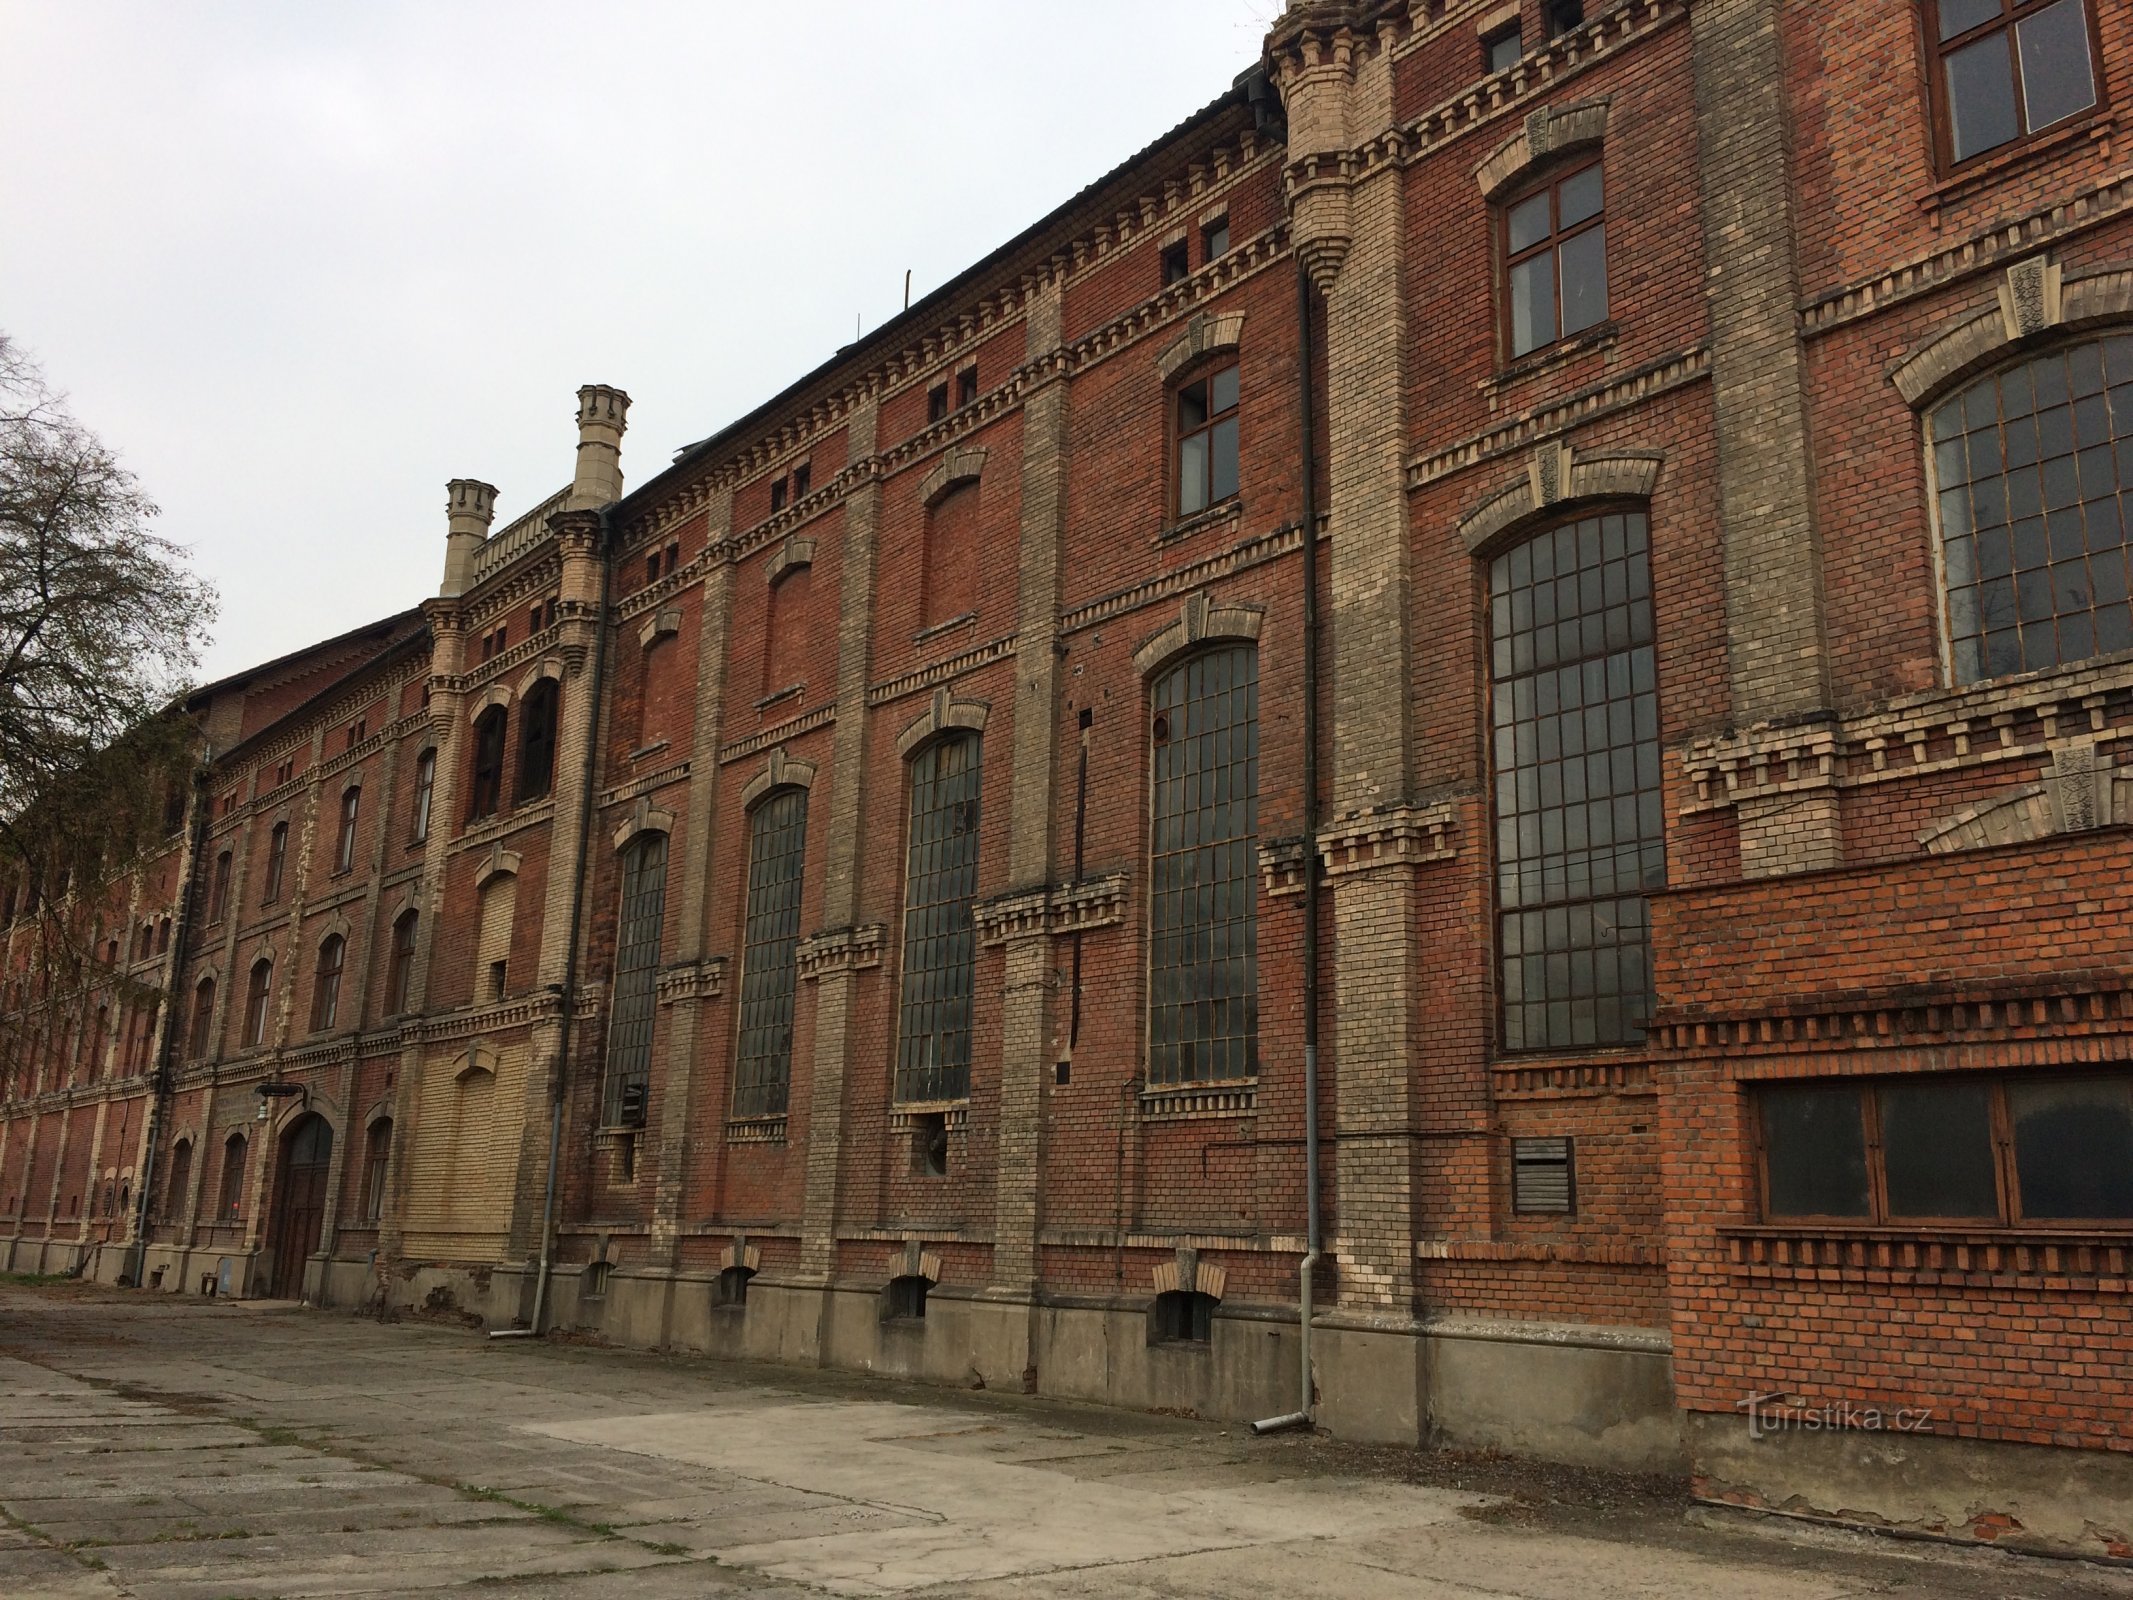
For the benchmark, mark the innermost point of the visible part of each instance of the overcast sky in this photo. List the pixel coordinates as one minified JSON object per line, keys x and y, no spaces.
{"x":300,"y":263}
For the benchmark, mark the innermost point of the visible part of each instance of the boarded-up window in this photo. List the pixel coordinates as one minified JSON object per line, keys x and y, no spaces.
{"x":785,"y":647}
{"x":492,"y":951}
{"x":951,"y":575}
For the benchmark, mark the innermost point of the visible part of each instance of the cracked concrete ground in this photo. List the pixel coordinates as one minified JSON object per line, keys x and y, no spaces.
{"x":178,"y":1449}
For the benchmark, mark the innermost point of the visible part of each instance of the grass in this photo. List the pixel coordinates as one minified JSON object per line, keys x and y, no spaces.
{"x":33,"y":1280}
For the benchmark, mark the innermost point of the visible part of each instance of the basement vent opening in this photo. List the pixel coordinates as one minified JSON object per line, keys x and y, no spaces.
{"x":1541,"y":1176}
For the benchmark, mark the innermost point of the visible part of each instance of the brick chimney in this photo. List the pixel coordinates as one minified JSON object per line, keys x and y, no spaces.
{"x":469,"y":507}
{"x":603,"y":414}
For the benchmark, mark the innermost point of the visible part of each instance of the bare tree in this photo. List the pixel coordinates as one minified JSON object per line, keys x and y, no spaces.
{"x":100,"y":627}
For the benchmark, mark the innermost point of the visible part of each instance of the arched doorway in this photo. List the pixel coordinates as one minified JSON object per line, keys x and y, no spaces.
{"x":300,"y":1202}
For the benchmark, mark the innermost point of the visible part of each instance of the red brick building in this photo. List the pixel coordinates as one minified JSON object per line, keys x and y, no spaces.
{"x":852,"y":898}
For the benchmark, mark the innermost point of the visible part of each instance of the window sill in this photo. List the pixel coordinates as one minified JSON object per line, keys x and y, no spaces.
{"x":756,"y":1130}
{"x":904,"y":1115}
{"x":961,"y":620}
{"x":1984,"y":171}
{"x":789,"y":692}
{"x":644,"y":752}
{"x":1614,"y":1069}
{"x":1237,"y":1099}
{"x":2073,"y":1257}
{"x":1600,"y":336}
{"x":1230,"y":510}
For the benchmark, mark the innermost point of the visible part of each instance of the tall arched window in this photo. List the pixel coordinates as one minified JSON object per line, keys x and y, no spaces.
{"x":940,"y":947}
{"x":536,"y":741}
{"x":487,"y":791}
{"x":1579,"y":834}
{"x":344,"y":846}
{"x":375,"y":1155}
{"x":399,"y":977}
{"x":230,"y":1205}
{"x":2031,"y":465}
{"x":326,"y":986}
{"x":277,"y":859}
{"x":218,"y":900}
{"x":425,"y":790}
{"x":950,"y":580}
{"x":777,"y":843}
{"x":785,"y":645}
{"x":179,"y":1182}
{"x":1203,"y":871}
{"x":202,"y":1036}
{"x":256,"y":993}
{"x":629,"y":1033}
{"x":492,"y":950}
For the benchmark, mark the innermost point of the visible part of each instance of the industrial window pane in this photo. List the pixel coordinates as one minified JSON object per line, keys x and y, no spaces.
{"x":1958,"y":17}
{"x":1207,"y":441}
{"x":1580,"y":835}
{"x":1584,"y":272}
{"x":1936,"y":1150}
{"x":2074,"y":1149}
{"x":629,"y":1034}
{"x":2056,"y":80}
{"x":1556,"y":258}
{"x":777,"y":839}
{"x":1203,"y":1022}
{"x":2034,"y":465}
{"x":1814,"y":1152}
{"x":1981,"y":97}
{"x":1502,"y":50}
{"x":1532,"y":304}
{"x":940,"y":946}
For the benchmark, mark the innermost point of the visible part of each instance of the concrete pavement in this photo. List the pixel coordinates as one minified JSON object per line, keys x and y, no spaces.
{"x":178,"y":1449}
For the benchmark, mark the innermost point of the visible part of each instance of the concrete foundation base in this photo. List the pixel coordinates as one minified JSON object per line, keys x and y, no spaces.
{"x":2020,"y":1496}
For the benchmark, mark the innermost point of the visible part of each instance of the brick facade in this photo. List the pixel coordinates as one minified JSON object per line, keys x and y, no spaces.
{"x":1870,"y":869}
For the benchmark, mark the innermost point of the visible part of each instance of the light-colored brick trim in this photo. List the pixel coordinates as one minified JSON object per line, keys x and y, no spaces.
{"x":335,"y":924}
{"x":644,"y":817}
{"x":958,"y":467}
{"x":662,"y":624}
{"x":2010,"y":817}
{"x":501,"y":863}
{"x":497,"y":694}
{"x":1550,"y":133}
{"x":1557,"y":480}
{"x":1199,"y":622}
{"x":1201,"y":335}
{"x":549,"y":667}
{"x":779,"y":772}
{"x":2033,"y":298}
{"x":942,"y":713}
{"x":797,"y":553}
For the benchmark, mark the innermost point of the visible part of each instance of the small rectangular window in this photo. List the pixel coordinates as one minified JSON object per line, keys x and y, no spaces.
{"x":1563,"y":15}
{"x":1814,"y":1153}
{"x":1555,"y":261}
{"x":1541,"y":1176}
{"x":1177,"y":263}
{"x":937,"y":403}
{"x":803,"y":479}
{"x":1214,"y":240}
{"x":966,"y":387}
{"x":778,"y":493}
{"x":907,"y":1299}
{"x":1501,"y":50}
{"x":1207,"y":441}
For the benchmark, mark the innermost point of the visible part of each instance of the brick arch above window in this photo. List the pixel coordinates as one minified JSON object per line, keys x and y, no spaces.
{"x":780,"y":771}
{"x":550,"y":667}
{"x":1202,"y":336}
{"x":1550,"y":133}
{"x":643,"y":818}
{"x":943,"y":714}
{"x":959,"y":466}
{"x":500,"y":863}
{"x":1200,"y":621}
{"x":2032,"y":300}
{"x":479,"y":1062}
{"x":661,"y":624}
{"x":335,"y":924}
{"x":497,"y":695}
{"x":796,"y":553}
{"x":1555,"y":481}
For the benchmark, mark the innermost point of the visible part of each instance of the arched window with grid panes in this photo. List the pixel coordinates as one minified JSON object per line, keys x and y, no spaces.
{"x":2033,"y":478}
{"x":1574,"y":714}
{"x":1203,"y":869}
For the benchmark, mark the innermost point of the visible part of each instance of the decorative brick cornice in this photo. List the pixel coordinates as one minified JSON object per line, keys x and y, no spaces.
{"x":837,"y":950}
{"x":820,"y":717}
{"x":692,"y":981}
{"x":1055,"y":909}
{"x":1576,"y":1254}
{"x":940,"y":672}
{"x":1191,"y":1101}
{"x":1516,"y":1078}
{"x":498,"y":1018}
{"x":1388,"y":836}
{"x":2069,"y":1003}
{"x":1990,"y":1259}
{"x":2023,"y":719}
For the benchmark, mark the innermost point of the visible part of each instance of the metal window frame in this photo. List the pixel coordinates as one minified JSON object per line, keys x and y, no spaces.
{"x":937,"y":979}
{"x":770,"y":943}
{"x":633,"y":1011}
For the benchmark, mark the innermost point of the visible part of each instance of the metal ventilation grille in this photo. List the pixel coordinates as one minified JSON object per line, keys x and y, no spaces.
{"x":1541,"y":1175}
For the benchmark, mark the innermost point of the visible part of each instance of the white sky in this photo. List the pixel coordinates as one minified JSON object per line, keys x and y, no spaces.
{"x":300,"y":263}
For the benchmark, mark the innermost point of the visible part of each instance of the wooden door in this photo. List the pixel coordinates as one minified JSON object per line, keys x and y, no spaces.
{"x":300,"y":1203}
